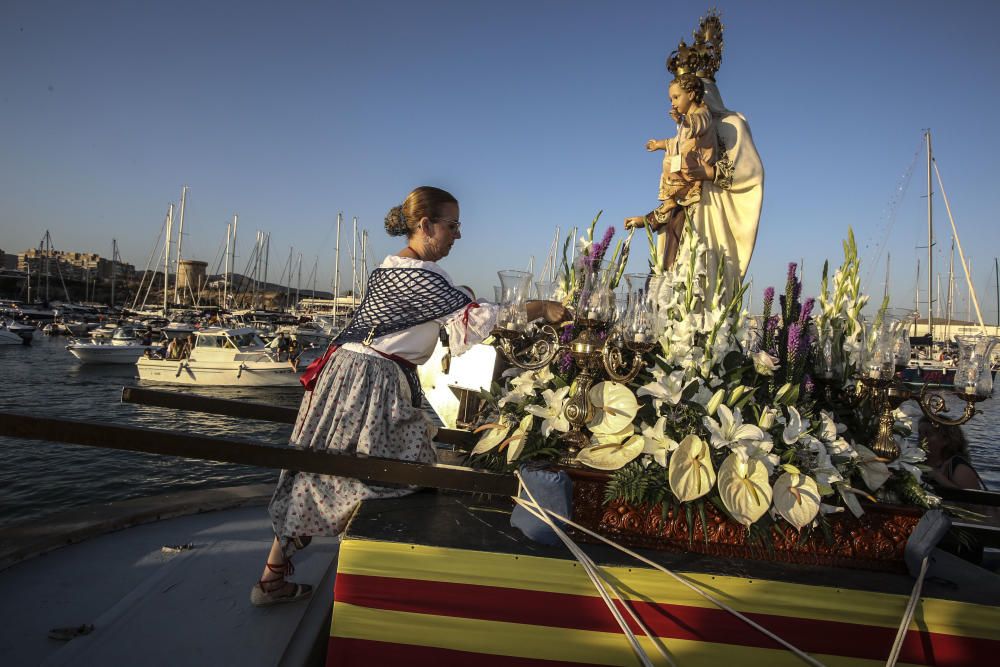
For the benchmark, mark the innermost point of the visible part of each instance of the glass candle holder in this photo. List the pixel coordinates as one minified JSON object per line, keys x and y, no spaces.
{"x":973,"y":372}
{"x":514,"y":286}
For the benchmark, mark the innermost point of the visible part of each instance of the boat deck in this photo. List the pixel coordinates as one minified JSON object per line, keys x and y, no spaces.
{"x":152,"y":607}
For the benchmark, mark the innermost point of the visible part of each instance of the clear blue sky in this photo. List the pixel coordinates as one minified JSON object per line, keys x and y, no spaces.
{"x":534,"y":114}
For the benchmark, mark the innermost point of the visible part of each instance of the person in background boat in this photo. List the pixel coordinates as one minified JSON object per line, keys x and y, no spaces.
{"x":186,"y":347}
{"x":282,"y":346}
{"x":695,"y":144}
{"x":366,"y":399}
{"x":147,"y":338}
{"x":948,"y":456}
{"x":173,"y":349}
{"x":294,"y":352}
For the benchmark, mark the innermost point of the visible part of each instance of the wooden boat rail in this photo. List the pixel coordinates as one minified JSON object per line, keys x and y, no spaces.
{"x":369,"y":469}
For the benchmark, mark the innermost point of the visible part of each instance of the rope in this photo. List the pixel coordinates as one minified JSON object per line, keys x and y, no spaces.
{"x":552,"y":515}
{"x":911,"y":607}
{"x":596,"y":577}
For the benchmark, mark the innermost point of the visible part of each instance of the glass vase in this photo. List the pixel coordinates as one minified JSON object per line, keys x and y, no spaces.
{"x":514,"y":286}
{"x":973,"y":372}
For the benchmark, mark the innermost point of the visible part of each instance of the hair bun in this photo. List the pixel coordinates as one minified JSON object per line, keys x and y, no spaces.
{"x":395,"y":222}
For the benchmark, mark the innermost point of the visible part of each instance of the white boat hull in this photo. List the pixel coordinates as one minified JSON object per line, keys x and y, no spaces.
{"x":10,"y":338}
{"x":90,"y":353}
{"x":218,"y":373}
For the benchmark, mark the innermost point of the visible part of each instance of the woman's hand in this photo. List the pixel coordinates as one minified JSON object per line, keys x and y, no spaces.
{"x":551,"y":311}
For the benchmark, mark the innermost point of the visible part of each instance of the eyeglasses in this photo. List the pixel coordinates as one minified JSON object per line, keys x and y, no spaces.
{"x":454,"y":225}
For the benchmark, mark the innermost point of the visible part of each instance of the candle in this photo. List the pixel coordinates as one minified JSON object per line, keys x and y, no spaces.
{"x":641,"y":338}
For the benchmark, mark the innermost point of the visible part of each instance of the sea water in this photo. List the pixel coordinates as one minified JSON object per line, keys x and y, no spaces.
{"x":45,"y":380}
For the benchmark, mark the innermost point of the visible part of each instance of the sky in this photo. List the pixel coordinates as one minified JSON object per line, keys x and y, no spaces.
{"x":535,"y":114}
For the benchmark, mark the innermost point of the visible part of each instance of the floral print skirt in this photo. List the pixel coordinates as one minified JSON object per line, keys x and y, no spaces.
{"x":361,"y":406}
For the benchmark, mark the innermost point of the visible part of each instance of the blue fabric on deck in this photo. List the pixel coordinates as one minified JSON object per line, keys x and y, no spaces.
{"x":554,"y":491}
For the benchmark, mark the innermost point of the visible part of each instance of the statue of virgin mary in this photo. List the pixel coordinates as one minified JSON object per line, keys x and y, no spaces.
{"x":732,"y":189}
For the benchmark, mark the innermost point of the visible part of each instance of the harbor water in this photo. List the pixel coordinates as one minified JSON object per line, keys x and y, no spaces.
{"x":41,"y":478}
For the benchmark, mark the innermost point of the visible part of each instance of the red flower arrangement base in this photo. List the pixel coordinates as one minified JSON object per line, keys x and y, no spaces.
{"x":876,"y":541}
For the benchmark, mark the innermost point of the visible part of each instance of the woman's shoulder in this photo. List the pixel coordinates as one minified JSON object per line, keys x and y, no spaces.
{"x":397,"y":262}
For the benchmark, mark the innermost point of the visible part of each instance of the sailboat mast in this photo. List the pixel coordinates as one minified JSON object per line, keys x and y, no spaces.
{"x":180,"y":242}
{"x":225,"y":270}
{"x":336,"y":272}
{"x":166,"y":257}
{"x":930,"y":242}
{"x":114,"y":258}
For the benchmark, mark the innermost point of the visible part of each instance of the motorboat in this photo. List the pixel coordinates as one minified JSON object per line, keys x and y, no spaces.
{"x":25,"y":331}
{"x":122,"y":348}
{"x":222,"y":357}
{"x":9,"y":337}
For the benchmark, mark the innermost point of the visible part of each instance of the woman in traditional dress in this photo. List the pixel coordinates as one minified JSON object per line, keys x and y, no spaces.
{"x":367,"y":399}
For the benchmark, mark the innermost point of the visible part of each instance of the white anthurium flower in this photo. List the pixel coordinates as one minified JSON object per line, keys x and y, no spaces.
{"x":690,"y":471}
{"x":767,"y":417}
{"x":612,"y":453}
{"x":658,"y":443}
{"x":744,"y":488}
{"x":764,"y":363}
{"x":730,"y":429}
{"x":873,"y":471}
{"x":812,"y":444}
{"x":615,"y":406}
{"x":515,"y":444}
{"x":664,"y":388}
{"x":796,"y":497}
{"x":795,"y":427}
{"x":551,"y":413}
{"x":495,"y":433}
{"x":909,"y":456}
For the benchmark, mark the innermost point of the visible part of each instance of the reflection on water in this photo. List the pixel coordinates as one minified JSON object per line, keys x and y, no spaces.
{"x":40,"y":478}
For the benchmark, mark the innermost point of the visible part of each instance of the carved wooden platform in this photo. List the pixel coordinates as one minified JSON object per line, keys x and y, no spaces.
{"x":876,"y":541}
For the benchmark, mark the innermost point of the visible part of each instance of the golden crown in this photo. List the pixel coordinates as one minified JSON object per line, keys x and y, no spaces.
{"x":704,"y":56}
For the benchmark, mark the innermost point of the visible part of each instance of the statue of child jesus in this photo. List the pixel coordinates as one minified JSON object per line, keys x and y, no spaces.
{"x":693,"y":149}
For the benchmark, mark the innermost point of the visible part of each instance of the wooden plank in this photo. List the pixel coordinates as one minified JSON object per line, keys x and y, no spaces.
{"x":155,"y":441}
{"x":252,"y":410}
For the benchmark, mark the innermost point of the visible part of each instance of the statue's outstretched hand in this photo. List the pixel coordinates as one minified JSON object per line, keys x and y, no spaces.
{"x":654,"y":145}
{"x":635,"y":223}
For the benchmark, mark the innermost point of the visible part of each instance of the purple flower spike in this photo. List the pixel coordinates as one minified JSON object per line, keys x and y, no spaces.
{"x":807,"y":310}
{"x":810,"y":386}
{"x":792,"y":266}
{"x":768,"y":302}
{"x":566,"y":363}
{"x":794,"y":342}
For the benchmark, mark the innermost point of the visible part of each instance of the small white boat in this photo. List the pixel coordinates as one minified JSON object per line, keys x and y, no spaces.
{"x":9,"y":337}
{"x":25,"y":331}
{"x":222,"y":357}
{"x":122,"y":348}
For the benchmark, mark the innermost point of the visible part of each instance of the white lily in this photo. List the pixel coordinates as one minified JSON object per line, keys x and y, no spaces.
{"x":611,"y":452}
{"x":828,"y":428}
{"x":744,"y":488}
{"x":873,"y":471}
{"x":658,"y":443}
{"x":909,"y":456}
{"x":615,"y":407}
{"x":730,"y":429}
{"x":902,"y":419}
{"x":759,"y":450}
{"x":764,"y":363}
{"x":826,"y":473}
{"x":796,"y":498}
{"x":664,"y":388}
{"x":795,"y":427}
{"x":551,"y":413}
{"x":526,"y":385}
{"x":690,"y":471}
{"x":840,"y":447}
{"x":767,"y":417}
